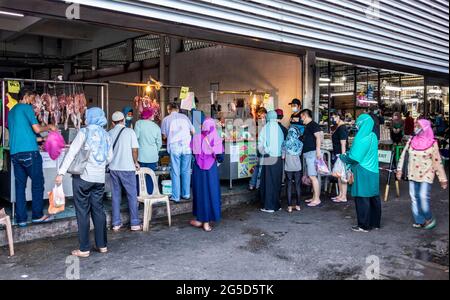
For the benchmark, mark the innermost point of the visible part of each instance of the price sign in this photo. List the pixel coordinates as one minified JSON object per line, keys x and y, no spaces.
{"x":184,"y":92}
{"x":13,"y":87}
{"x":384,"y":156}
{"x":11,"y":102}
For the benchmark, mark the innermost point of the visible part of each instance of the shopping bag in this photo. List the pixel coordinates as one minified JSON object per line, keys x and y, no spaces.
{"x":339,"y":170}
{"x":322,"y":167}
{"x":56,"y":200}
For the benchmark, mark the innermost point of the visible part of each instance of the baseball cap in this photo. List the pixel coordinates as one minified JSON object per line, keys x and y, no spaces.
{"x":118,"y":116}
{"x":296,"y":102}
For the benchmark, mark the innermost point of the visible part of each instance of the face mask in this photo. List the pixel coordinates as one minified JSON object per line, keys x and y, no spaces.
{"x":129,"y":118}
{"x":295,"y":109}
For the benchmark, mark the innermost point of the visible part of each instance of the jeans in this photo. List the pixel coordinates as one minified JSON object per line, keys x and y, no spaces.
{"x":127,"y":180}
{"x":88,"y":202}
{"x":180,"y":174}
{"x":148,"y":179}
{"x":420,"y":201}
{"x":28,"y":164}
{"x":255,"y":175}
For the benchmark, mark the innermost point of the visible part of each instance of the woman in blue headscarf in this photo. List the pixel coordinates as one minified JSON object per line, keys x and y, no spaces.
{"x":292,"y":149}
{"x":89,"y":187}
{"x":128,"y":113}
{"x":269,"y":144}
{"x":363,"y":158}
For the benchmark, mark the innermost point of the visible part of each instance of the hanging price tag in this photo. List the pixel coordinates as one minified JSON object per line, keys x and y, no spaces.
{"x":266,"y":98}
{"x":184,"y":92}
{"x":13,"y":87}
{"x":11,"y":102}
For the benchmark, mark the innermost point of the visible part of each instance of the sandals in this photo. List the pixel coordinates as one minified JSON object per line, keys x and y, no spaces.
{"x":314,"y":205}
{"x":337,"y":200}
{"x":289,"y":210}
{"x":44,"y":219}
{"x":297,"y":208}
{"x":79,"y":253}
{"x":207,"y":228}
{"x":196,"y":224}
{"x":101,"y":250}
{"x":137,"y":228}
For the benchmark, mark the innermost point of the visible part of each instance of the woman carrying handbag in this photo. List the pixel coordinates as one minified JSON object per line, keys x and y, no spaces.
{"x":422,"y":161}
{"x":86,"y":160}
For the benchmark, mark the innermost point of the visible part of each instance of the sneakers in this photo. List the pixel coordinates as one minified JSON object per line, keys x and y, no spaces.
{"x":431,"y":224}
{"x":269,"y":211}
{"x":418,"y":226}
{"x":359,"y":229}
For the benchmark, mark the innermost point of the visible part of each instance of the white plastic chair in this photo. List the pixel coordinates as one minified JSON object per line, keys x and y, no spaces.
{"x":150,"y":200}
{"x":5,"y":220}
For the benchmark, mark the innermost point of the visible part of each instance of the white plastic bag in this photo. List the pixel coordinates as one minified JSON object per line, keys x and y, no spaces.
{"x":322,"y":167}
{"x":58,"y":196}
{"x":339,"y":170}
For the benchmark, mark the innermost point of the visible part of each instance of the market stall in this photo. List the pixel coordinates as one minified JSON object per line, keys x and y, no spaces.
{"x":239,"y":131}
{"x":62,"y":103}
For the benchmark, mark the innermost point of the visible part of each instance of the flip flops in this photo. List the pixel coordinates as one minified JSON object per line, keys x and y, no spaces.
{"x":44,"y":219}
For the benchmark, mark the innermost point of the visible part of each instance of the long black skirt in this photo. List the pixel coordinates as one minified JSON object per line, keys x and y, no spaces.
{"x":271,"y":177}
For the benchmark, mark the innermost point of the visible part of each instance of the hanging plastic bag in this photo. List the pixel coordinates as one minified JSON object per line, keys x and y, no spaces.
{"x":54,"y":144}
{"x":339,"y":170}
{"x":56,"y":200}
{"x":322,"y":167}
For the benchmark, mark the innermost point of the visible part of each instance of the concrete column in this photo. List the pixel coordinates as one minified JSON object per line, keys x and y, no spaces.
{"x":162,"y":75}
{"x":310,"y":84}
{"x":95,"y":59}
{"x":175,"y":47}
{"x":67,"y":70}
{"x":130,"y":50}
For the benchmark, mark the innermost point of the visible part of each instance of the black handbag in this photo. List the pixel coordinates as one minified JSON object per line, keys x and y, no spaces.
{"x":405,"y":169}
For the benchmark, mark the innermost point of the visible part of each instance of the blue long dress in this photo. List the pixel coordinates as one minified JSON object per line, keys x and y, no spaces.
{"x":207,"y":206}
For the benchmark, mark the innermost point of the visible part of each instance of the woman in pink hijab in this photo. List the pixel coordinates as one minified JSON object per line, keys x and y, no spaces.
{"x":424,"y":162}
{"x":207,"y":148}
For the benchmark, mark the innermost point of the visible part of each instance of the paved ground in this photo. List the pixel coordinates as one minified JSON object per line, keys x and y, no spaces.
{"x":314,"y":244}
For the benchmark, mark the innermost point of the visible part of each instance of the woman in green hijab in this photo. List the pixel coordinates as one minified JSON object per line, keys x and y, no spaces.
{"x":363,"y":159}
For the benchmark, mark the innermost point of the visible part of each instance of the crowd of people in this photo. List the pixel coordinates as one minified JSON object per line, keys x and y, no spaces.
{"x":196,"y":148}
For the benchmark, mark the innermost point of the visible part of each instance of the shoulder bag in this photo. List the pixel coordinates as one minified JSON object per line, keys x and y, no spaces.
{"x":114,"y":145}
{"x":80,"y":161}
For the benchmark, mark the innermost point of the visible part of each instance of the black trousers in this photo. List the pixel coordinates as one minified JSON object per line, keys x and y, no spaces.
{"x":88,"y":201}
{"x":368,"y":211}
{"x":294,"y":179}
{"x":271,"y":177}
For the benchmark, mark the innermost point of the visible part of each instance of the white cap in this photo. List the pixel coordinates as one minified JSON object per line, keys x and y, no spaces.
{"x":118,"y":116}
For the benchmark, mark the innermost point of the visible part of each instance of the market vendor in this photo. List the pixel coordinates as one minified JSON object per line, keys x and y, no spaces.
{"x":128,"y":113}
{"x":26,"y":159}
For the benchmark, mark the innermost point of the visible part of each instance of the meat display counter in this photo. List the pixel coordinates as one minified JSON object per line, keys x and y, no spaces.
{"x":50,"y":167}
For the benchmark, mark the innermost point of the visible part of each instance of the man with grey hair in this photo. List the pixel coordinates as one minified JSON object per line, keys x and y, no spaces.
{"x":123,"y":171}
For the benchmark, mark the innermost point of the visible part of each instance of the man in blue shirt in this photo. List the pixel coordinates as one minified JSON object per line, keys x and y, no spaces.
{"x":26,"y":159}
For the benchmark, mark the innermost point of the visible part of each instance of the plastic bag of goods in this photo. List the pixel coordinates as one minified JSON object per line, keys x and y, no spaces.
{"x":322,"y":167}
{"x":54,"y":144}
{"x":339,"y":170}
{"x":56,"y":200}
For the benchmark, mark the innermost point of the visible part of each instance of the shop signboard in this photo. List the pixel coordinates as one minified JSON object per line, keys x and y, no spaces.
{"x":384,"y":156}
{"x":247,"y":159}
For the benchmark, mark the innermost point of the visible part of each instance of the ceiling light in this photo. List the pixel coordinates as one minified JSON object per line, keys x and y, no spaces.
{"x":7,"y":13}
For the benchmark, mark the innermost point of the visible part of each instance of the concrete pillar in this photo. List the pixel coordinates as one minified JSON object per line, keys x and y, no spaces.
{"x":130,"y":50}
{"x":176,"y":45}
{"x":95,"y":59}
{"x":310,"y":84}
{"x":67,"y":70}
{"x":162,"y":75}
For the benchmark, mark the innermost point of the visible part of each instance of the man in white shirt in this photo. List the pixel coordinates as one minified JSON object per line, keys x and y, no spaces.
{"x":123,"y":171}
{"x":177,"y":129}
